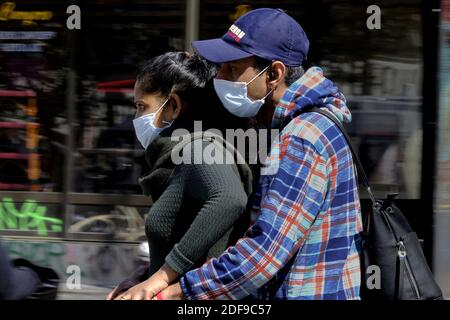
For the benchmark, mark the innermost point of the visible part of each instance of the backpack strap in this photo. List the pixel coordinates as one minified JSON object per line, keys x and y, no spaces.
{"x":360,"y":169}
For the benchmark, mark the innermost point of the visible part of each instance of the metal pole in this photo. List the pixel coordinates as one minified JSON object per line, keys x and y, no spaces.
{"x":192,"y":23}
{"x":71,"y":96}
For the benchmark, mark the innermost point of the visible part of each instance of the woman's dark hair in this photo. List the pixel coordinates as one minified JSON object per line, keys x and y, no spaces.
{"x":176,"y":72}
{"x":189,"y":76}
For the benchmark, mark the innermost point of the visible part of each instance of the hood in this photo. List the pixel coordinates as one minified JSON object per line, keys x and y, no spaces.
{"x":159,"y":159}
{"x":312,"y":89}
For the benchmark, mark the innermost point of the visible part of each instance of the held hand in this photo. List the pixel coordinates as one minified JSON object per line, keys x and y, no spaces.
{"x":121,"y":288}
{"x":113,"y":293}
{"x":145,"y":290}
{"x":173,"y":292}
{"x":151,"y":287}
{"x":137,"y":276}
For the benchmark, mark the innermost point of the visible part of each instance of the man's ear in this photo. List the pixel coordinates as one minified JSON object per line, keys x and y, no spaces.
{"x":176,"y":106}
{"x":277,"y":73}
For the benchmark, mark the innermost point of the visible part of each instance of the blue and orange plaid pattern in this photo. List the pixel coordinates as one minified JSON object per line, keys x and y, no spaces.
{"x":304,"y":242}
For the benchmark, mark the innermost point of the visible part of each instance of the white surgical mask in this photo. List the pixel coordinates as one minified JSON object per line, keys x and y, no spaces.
{"x":146,"y":130}
{"x":235,"y":99}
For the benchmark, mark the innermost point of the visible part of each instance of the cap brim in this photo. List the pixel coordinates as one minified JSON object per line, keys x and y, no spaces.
{"x":219,"y":51}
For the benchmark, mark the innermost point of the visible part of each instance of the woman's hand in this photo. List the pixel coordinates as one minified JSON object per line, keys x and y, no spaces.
{"x":151,"y":287}
{"x":173,"y":292}
{"x":138,"y":275}
{"x":121,"y":288}
{"x":145,"y":290}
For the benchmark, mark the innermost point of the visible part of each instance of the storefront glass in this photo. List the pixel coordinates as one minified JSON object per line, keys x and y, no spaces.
{"x":379,"y":71}
{"x":67,"y":128}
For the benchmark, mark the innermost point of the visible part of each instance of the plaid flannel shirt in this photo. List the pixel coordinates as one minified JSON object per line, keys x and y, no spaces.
{"x":305,"y":238}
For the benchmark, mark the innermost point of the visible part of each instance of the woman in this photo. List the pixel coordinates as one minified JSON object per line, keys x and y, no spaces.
{"x":198,"y":209}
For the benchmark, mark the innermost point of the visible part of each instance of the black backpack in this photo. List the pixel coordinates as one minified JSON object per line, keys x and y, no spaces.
{"x":389,"y":246}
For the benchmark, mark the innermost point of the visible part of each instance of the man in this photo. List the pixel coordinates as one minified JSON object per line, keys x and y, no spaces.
{"x":305,"y":240}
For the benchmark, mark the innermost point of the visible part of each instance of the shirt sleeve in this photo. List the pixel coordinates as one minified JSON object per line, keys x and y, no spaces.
{"x":288,"y":208}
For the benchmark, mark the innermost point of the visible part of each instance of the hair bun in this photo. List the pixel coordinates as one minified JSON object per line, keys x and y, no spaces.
{"x":204,"y":69}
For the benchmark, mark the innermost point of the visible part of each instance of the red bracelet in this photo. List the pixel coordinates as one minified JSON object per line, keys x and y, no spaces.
{"x":159,"y":296}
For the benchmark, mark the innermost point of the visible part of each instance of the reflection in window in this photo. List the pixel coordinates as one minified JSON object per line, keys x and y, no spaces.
{"x":32,"y":102}
{"x":108,"y":157}
{"x":123,"y":223}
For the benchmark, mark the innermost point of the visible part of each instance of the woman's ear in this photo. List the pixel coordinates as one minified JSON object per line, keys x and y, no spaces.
{"x":175,"y":106}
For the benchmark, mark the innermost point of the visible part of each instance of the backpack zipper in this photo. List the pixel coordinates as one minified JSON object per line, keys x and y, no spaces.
{"x":404,"y":258}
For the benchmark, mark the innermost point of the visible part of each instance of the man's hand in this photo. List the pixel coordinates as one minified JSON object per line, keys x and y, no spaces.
{"x":149,"y":288}
{"x":173,"y":292}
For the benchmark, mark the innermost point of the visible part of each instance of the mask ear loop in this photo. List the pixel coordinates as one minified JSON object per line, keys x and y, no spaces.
{"x":168,"y":123}
{"x":164,"y":103}
{"x":162,"y":106}
{"x":270,"y":91}
{"x":260,"y":73}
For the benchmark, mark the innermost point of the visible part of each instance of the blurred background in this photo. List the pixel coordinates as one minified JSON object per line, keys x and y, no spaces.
{"x":69,"y":159}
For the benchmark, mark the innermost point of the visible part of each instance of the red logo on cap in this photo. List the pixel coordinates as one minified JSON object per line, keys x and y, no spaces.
{"x":236,"y":33}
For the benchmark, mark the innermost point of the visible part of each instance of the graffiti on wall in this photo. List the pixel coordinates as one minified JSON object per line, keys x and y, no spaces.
{"x":30,"y":217}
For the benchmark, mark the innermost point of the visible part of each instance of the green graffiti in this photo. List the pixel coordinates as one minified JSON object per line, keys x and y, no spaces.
{"x":31,"y":216}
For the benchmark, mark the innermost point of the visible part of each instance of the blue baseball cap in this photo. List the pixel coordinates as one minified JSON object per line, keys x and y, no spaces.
{"x":267,"y":33}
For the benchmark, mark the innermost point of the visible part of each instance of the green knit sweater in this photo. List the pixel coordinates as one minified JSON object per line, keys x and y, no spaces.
{"x":199,"y":209}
